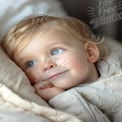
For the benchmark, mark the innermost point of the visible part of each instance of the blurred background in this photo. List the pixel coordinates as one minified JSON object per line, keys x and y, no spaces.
{"x":103,"y":16}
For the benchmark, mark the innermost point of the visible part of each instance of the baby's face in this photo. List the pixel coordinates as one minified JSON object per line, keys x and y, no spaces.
{"x":55,"y":57}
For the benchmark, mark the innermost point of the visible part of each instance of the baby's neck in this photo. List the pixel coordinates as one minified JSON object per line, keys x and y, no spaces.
{"x":93,"y":75}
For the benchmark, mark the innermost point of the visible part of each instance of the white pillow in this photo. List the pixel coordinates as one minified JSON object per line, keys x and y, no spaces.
{"x":12,"y":11}
{"x":14,"y":78}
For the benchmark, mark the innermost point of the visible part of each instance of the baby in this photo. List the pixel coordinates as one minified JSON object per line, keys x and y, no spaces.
{"x":63,"y":61}
{"x":54,"y":52}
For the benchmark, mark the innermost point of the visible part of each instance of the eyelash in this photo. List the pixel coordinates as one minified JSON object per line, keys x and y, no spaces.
{"x":27,"y":64}
{"x":56,"y":50}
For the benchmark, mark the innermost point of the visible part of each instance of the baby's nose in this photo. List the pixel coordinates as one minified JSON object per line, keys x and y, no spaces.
{"x":49,"y":64}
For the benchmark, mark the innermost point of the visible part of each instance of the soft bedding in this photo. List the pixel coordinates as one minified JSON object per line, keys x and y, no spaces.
{"x":12,"y":11}
{"x":18,"y":101}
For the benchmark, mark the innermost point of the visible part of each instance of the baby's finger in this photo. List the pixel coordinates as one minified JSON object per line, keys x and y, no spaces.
{"x":47,"y":85}
{"x":39,"y":85}
{"x":43,"y":85}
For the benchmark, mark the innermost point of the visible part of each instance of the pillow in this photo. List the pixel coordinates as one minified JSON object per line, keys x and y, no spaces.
{"x":12,"y":11}
{"x":14,"y":78}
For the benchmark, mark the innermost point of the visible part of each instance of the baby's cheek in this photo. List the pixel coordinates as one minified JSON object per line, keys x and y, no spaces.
{"x":32,"y":77}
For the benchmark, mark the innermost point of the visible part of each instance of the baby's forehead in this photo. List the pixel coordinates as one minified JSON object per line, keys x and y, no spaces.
{"x":46,"y":27}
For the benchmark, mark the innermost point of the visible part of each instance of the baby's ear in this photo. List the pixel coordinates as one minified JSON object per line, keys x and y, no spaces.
{"x":92,"y":52}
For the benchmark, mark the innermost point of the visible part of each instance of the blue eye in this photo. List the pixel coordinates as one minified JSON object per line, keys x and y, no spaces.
{"x":29,"y":64}
{"x":56,"y":51}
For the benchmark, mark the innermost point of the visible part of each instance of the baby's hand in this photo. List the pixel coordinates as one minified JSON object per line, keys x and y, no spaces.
{"x":46,"y":90}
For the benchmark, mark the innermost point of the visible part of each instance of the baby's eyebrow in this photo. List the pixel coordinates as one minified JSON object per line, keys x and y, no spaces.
{"x":25,"y":59}
{"x":22,"y":60}
{"x":55,"y":43}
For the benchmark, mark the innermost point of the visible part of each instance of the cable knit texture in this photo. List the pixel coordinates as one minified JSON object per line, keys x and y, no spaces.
{"x":100,"y":101}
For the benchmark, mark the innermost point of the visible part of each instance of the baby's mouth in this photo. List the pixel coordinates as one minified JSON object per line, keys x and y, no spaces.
{"x":54,"y":76}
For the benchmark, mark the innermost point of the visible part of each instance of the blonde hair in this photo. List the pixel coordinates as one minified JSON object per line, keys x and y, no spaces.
{"x":20,"y":35}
